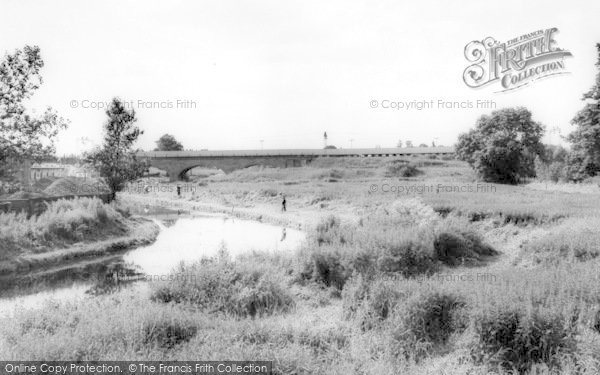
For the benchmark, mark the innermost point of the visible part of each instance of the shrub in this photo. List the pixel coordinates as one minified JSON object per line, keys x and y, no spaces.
{"x":401,"y":169}
{"x":408,"y":258}
{"x":515,"y":339}
{"x":370,"y":301}
{"x":167,"y":333}
{"x":220,"y":285}
{"x":459,"y":248}
{"x":324,"y":265}
{"x":427,"y":318}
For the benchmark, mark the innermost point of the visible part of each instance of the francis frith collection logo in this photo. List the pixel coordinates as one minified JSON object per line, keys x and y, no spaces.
{"x":515,"y":63}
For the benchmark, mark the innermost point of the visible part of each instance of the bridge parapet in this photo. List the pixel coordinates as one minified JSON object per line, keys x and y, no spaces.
{"x":177,"y":163}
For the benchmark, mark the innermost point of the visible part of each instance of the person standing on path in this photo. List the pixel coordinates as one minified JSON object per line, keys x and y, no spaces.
{"x":283,"y":203}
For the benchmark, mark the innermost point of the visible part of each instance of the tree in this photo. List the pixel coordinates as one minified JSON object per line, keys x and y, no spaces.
{"x":503,"y":146}
{"x":584,"y":160}
{"x":168,"y":143}
{"x":423,"y":145}
{"x":409,"y":144}
{"x":24,"y":136}
{"x":115,"y":160}
{"x":399,"y":144}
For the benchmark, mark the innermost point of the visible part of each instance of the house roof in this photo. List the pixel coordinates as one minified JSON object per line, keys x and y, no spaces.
{"x":48,"y":166}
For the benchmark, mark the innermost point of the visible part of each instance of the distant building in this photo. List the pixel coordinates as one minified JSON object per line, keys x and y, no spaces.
{"x":81,"y":172}
{"x":46,"y":170}
{"x":57,"y":170}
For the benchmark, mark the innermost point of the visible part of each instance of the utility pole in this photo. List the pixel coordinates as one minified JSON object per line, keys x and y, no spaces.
{"x":261,"y":143}
{"x":352,"y":140}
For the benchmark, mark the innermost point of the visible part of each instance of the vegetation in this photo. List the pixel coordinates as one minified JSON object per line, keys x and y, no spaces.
{"x":584,"y":160}
{"x":503,"y":146}
{"x":168,"y":143}
{"x":221,"y":285}
{"x":63,"y":223}
{"x":23,"y":135}
{"x":116,"y":161}
{"x":407,"y":284}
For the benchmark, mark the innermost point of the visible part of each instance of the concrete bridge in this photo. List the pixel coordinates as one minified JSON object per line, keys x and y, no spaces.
{"x":177,"y":163}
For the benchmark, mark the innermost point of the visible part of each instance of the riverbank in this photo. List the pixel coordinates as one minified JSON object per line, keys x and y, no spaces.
{"x":67,"y":233}
{"x":301,"y":218}
{"x":385,"y":283}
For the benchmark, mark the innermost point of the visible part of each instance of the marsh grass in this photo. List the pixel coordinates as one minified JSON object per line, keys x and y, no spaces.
{"x":63,"y":222}
{"x":243,"y":289}
{"x":574,"y":240}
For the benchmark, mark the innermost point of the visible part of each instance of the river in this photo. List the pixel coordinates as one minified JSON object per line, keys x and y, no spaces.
{"x":182,"y":238}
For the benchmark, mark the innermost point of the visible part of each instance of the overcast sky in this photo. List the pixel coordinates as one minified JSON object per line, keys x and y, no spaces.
{"x":286,"y":71}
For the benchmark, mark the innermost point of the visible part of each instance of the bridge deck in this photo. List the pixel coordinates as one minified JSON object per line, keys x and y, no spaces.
{"x":300,"y":152}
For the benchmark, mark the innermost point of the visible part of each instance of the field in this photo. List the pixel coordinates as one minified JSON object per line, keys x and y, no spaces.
{"x":410,"y":266}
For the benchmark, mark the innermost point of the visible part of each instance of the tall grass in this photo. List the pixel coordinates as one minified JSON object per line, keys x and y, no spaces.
{"x":63,"y":222}
{"x":407,"y":239}
{"x":221,"y":285}
{"x":575,"y":240}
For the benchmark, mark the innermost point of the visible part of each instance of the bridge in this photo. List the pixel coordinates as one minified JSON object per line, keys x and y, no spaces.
{"x":177,"y":163}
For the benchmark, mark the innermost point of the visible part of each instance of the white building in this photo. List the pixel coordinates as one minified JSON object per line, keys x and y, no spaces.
{"x":46,"y":170}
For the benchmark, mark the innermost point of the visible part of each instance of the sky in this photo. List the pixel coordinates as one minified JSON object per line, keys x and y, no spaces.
{"x":224,"y":74}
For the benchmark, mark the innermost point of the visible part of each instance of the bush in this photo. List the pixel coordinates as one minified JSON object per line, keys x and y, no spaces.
{"x":401,"y":169}
{"x":167,"y":333}
{"x":516,"y":339}
{"x":410,"y":257}
{"x":323,"y":265}
{"x":370,"y":301}
{"x":220,"y":285}
{"x":551,"y":171}
{"x":459,"y":248}
{"x":427,"y":318}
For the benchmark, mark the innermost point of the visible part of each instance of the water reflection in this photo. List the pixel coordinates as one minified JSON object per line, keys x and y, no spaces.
{"x":183,"y":238}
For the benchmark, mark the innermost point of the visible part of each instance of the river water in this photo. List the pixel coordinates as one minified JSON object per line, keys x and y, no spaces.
{"x":182,"y":238}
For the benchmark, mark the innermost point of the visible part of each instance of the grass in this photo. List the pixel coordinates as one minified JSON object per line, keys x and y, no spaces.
{"x":575,"y":240}
{"x":64,"y":222}
{"x":243,"y":289}
{"x":385,"y":283}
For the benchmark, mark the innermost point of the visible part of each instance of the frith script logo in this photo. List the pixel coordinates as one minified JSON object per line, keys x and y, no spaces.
{"x":515,"y":63}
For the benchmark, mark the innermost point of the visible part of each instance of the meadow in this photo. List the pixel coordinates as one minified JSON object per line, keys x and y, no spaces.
{"x":496,"y":279}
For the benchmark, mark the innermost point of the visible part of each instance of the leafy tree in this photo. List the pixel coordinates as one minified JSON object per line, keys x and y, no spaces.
{"x":423,"y":145}
{"x":330,"y":147}
{"x":168,"y":143}
{"x":115,"y":160}
{"x":409,"y":144}
{"x":24,"y":136}
{"x":584,"y":159}
{"x":399,"y":144}
{"x":503,"y":146}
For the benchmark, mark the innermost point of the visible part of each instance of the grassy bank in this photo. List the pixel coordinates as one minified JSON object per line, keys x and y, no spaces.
{"x":386,"y":283}
{"x":68,"y":231}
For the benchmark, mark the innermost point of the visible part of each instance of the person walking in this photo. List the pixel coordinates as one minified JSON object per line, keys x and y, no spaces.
{"x":283,"y":203}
